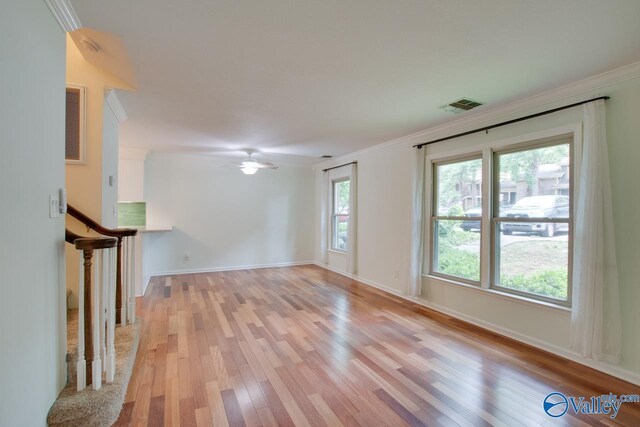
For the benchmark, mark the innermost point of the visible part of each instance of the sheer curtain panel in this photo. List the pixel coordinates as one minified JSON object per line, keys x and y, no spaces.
{"x":595,"y":318}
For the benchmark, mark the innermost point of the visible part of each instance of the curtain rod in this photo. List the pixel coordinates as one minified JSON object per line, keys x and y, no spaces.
{"x":508,"y":122}
{"x":339,"y":166}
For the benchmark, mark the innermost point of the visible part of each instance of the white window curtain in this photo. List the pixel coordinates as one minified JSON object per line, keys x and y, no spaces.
{"x":595,"y":319}
{"x":352,"y":245}
{"x":325,"y":216}
{"x":417,"y":224}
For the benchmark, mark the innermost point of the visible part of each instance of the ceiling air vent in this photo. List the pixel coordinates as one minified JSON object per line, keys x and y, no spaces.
{"x":462,"y":104}
{"x":325,"y":156}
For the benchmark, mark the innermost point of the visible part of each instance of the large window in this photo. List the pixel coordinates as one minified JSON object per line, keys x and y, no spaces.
{"x":340,"y":217}
{"x":529,"y":216}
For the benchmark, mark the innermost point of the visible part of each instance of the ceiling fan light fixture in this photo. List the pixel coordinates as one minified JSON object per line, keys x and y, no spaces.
{"x":249,"y":170}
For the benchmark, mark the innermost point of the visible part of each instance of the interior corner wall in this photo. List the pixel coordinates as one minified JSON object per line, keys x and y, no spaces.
{"x":32,"y":274}
{"x":223,"y":219}
{"x":384,"y":212}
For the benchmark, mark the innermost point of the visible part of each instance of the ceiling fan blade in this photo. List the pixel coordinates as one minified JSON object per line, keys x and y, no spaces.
{"x":263,"y":165}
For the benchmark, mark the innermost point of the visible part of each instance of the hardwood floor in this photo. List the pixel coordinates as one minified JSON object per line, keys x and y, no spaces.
{"x":305,"y":346}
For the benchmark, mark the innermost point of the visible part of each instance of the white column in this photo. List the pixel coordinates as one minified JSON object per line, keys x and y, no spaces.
{"x":96,"y":365}
{"x":81,"y":365}
{"x":110,"y":360}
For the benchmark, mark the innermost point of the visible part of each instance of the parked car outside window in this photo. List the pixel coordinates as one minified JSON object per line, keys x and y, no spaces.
{"x":548,"y":207}
{"x":469,"y":225}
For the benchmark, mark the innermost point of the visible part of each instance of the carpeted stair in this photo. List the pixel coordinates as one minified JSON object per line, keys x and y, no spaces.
{"x":95,"y":407}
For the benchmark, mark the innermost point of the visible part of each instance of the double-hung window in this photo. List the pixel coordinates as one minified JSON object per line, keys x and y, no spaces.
{"x":340,"y":215}
{"x":456,"y":223}
{"x":528,"y":213}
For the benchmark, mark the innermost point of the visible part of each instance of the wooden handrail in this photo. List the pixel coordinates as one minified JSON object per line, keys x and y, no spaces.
{"x":70,"y":236}
{"x":94,"y":243}
{"x":121,"y":232}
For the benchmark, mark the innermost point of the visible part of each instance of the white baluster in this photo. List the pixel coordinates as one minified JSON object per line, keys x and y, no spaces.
{"x":132,"y":282}
{"x":104,"y":287}
{"x":110,"y":361}
{"x":123,"y":281}
{"x":81,"y":365}
{"x":96,"y":366}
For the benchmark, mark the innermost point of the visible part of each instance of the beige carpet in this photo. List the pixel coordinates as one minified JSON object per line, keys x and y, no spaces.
{"x":95,"y":407}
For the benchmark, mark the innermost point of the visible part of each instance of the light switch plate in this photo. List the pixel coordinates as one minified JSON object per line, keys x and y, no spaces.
{"x":54,"y":206}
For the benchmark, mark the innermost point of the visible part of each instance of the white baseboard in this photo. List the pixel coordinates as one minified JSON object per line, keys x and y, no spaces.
{"x":363,"y":280}
{"x":612,"y":370}
{"x":230,"y":268}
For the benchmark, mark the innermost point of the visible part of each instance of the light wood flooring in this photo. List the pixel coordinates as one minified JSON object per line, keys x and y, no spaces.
{"x":305,"y":346}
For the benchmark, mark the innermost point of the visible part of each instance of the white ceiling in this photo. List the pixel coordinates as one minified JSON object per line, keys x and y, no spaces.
{"x":301,"y":78}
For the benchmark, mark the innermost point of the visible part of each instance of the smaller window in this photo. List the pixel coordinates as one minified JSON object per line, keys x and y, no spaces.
{"x":340,"y":217}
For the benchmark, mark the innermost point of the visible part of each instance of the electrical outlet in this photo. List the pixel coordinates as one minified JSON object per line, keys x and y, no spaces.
{"x":54,"y":206}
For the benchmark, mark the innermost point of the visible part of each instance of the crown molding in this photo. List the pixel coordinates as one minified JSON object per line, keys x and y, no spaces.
{"x":484,"y":116}
{"x":114,"y":103}
{"x":65,"y":14}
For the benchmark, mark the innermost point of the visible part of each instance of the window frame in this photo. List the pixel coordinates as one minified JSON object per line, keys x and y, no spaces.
{"x":496,"y":219}
{"x":334,"y":215}
{"x":434,"y":217}
{"x":439,"y":153}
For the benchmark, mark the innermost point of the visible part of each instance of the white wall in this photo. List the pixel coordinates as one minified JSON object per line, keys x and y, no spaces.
{"x":32,"y":314}
{"x":223,"y":218}
{"x":131,"y":174}
{"x":384,"y":205}
{"x":110,"y":130}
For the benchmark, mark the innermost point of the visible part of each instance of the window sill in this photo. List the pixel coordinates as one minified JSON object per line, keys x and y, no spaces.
{"x":500,"y":294}
{"x":335,"y":251}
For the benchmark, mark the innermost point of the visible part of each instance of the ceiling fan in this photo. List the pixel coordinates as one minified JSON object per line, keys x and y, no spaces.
{"x":250,"y":166}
